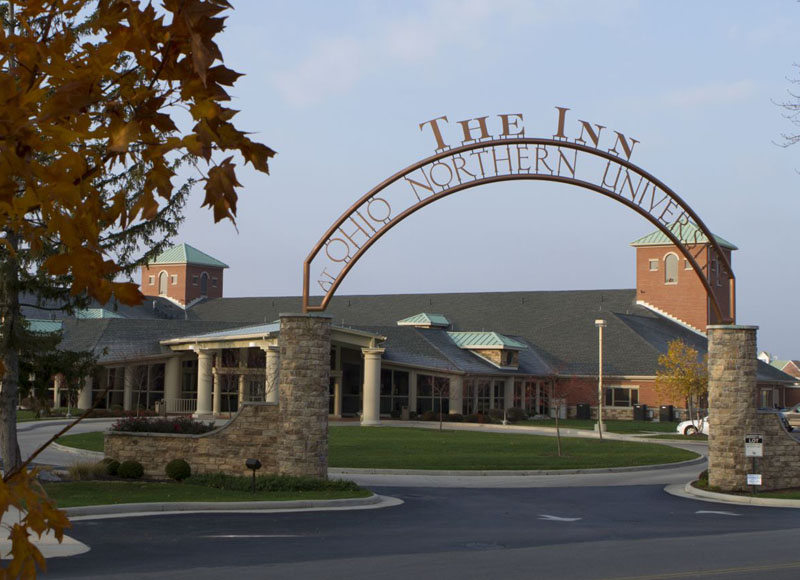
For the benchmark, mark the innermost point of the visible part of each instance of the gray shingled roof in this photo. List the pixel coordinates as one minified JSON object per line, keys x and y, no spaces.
{"x":558,"y":327}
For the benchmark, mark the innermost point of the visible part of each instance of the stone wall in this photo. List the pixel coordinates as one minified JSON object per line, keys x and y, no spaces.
{"x":289,"y":438}
{"x":252,"y":433}
{"x":732,"y":414}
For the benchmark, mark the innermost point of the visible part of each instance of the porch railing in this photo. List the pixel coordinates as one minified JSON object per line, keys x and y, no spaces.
{"x":181,"y":406}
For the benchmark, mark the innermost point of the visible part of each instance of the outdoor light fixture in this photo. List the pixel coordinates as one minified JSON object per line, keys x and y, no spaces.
{"x":600,"y":324}
{"x":255,"y":465}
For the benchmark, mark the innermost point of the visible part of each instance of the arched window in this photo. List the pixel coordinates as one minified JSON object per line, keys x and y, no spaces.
{"x":670,"y":269}
{"x":162,"y":283}
{"x":203,"y":284}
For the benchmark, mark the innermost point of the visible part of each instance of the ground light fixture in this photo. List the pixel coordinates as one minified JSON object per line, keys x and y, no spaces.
{"x":255,"y":465}
{"x":600,"y":324}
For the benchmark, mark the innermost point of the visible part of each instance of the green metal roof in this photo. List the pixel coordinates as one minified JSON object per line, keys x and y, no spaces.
{"x":484,"y":340}
{"x":689,"y":232}
{"x":97,"y":313}
{"x":425,"y":319}
{"x":43,"y":326}
{"x":186,"y":254}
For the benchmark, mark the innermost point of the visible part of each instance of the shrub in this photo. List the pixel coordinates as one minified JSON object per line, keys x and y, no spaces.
{"x":271,"y":483}
{"x":430,"y":416}
{"x":516,"y":414}
{"x":497,"y":414}
{"x":178,"y":469}
{"x":130,"y":469}
{"x":82,"y":470}
{"x":180,"y":425}
{"x":473,"y":418}
{"x":455,"y":418}
{"x":106,"y":466}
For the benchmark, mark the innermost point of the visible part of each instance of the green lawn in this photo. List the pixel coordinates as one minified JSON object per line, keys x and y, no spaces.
{"x":80,"y":493}
{"x":408,"y":448}
{"x":625,"y":427}
{"x":88,"y":441}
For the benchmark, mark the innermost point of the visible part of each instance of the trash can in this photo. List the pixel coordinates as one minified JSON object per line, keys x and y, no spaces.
{"x":666,"y":413}
{"x":640,"y":412}
{"x":584,"y":411}
{"x":404,"y":413}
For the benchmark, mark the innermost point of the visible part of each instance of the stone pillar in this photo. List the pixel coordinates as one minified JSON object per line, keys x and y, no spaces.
{"x":732,"y":395}
{"x":217,"y":380}
{"x":85,"y":396}
{"x":203,"y":384}
{"x":172,"y":382}
{"x":457,"y":394}
{"x":127,"y":387}
{"x":58,"y":384}
{"x":305,"y":347}
{"x":272,"y":381}
{"x":371,"y":392}
{"x":508,"y":393}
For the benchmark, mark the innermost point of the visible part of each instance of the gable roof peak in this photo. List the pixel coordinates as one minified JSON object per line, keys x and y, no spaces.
{"x":685,"y":232}
{"x":186,"y":254}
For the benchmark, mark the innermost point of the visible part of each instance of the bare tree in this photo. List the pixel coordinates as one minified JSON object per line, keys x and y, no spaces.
{"x":791,"y":107}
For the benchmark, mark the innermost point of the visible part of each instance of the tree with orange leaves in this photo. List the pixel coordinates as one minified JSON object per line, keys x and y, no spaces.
{"x":100,"y":100}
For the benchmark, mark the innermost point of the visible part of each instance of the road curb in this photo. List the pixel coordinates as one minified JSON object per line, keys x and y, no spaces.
{"x":499,"y":472}
{"x":688,"y":491}
{"x":98,"y":455}
{"x":144,"y":509}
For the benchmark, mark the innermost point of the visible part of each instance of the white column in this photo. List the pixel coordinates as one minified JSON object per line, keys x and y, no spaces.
{"x":457,"y":394}
{"x":371,"y":412}
{"x":172,"y":381}
{"x":58,"y":384}
{"x":412,"y":391}
{"x":203,"y":383}
{"x":217,"y":380}
{"x":242,"y":377}
{"x":127,"y":387}
{"x":337,"y":395}
{"x":272,"y":379}
{"x":509,"y":392}
{"x":85,"y":396}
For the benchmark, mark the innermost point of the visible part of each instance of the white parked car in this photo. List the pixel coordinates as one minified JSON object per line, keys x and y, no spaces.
{"x":692,"y":427}
{"x":793,"y":416}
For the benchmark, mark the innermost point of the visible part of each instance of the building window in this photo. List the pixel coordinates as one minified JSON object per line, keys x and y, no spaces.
{"x":394,"y":392}
{"x":687,"y":265}
{"x":174,"y":279}
{"x":195,"y":280}
{"x":203,"y":284}
{"x":151,"y":280}
{"x":162,"y":283}
{"x":213,"y":282}
{"x":654,"y":265}
{"x":433,"y":392}
{"x":671,"y":269}
{"x":622,"y":396}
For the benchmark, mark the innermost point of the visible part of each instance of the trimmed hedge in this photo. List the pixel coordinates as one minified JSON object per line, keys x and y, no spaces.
{"x":271,"y":483}
{"x":178,"y":469}
{"x":182,"y":425}
{"x":130,"y":470}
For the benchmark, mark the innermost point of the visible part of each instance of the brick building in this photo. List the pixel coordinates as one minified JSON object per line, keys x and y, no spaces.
{"x":474,"y":352}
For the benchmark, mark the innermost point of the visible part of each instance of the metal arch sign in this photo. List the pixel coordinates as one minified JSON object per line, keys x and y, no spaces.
{"x":482,"y":157}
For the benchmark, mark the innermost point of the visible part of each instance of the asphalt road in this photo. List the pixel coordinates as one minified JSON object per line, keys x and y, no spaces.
{"x":610,"y":532}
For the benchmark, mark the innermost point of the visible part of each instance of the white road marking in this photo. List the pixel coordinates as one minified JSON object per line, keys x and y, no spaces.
{"x":557,"y":518}
{"x":716,"y":512}
{"x":237,"y":536}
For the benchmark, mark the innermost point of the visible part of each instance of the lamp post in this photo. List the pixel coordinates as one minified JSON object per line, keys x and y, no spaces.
{"x":600,"y":324}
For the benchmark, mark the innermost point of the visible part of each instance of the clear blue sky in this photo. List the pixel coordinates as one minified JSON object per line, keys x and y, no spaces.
{"x":339,"y":89}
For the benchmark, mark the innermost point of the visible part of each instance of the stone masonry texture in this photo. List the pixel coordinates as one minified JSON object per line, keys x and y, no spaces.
{"x":733,"y":414}
{"x":289,"y":438}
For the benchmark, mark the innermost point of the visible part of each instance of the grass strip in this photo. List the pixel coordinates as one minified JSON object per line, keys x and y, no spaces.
{"x":408,"y":448}
{"x":88,"y":441}
{"x":81,"y":493}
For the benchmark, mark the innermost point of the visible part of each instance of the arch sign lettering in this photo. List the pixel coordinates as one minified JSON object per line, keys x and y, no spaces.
{"x":487,"y":150}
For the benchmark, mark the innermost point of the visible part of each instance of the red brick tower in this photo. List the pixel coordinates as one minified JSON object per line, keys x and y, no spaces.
{"x":183,"y":274}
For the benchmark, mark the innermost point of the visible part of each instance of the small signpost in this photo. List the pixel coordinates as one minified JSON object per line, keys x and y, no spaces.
{"x":754,"y":447}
